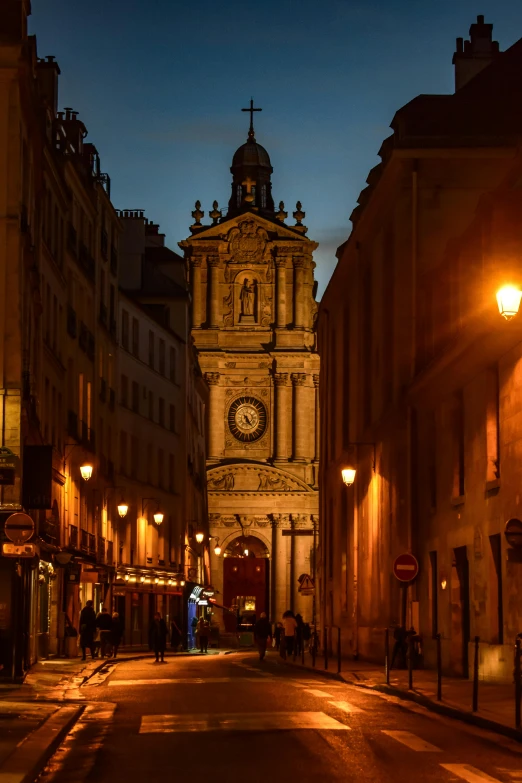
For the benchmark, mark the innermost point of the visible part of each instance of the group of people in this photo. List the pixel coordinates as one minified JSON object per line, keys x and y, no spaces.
{"x":99,"y":633}
{"x":289,"y":632}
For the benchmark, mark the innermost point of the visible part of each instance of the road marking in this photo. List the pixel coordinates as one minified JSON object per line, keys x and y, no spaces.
{"x":249,"y":721}
{"x":315,"y":692}
{"x":412,"y":741}
{"x":187,"y":681}
{"x":469,"y":773}
{"x":345,"y":706}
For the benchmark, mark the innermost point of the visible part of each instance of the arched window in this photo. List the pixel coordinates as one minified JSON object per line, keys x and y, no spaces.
{"x":263,"y":196}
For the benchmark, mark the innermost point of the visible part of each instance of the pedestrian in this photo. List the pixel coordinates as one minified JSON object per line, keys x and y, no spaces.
{"x":175,"y":636}
{"x":87,"y":630}
{"x":104,"y":625}
{"x":116,"y":633}
{"x":262,"y":633}
{"x":400,"y":636}
{"x":289,"y":627}
{"x":277,"y":635}
{"x":299,"y":634}
{"x":158,"y":637}
{"x":203,"y":630}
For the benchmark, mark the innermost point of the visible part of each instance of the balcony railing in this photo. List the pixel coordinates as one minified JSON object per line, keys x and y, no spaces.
{"x":92,"y":544}
{"x":100,"y":556}
{"x":84,"y":540}
{"x":73,"y":536}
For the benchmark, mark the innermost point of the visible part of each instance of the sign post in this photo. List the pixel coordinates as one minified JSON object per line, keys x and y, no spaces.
{"x":306,"y":585}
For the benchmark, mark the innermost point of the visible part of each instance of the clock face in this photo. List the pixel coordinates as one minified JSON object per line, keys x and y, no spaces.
{"x":247,"y":419}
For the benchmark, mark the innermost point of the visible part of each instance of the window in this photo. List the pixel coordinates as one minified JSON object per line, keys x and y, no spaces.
{"x":151,"y":406}
{"x":150,"y":463}
{"x":136,"y":338}
{"x":135,"y":457}
{"x":161,"y":367}
{"x":172,"y":475}
{"x":123,"y":453}
{"x":124,"y":391}
{"x":172,"y":418}
{"x":80,"y":397}
{"x":161,"y":412}
{"x":172,"y":368}
{"x":135,"y":397}
{"x":161,"y":468}
{"x":151,"y":348}
{"x":263,"y":196}
{"x":125,"y":329}
{"x":89,"y":408}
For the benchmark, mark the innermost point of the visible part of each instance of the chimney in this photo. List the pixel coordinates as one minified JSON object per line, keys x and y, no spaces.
{"x":474,"y":55}
{"x":75,"y":130}
{"x":47,"y":72}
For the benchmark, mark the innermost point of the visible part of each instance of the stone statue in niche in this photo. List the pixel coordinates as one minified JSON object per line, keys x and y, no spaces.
{"x":247,"y":298}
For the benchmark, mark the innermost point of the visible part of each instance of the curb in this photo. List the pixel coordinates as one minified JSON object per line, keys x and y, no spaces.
{"x":30,"y":757}
{"x":424,"y":701}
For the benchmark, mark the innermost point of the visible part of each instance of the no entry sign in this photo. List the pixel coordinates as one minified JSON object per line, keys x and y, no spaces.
{"x":405,"y":567}
{"x":19,"y":528}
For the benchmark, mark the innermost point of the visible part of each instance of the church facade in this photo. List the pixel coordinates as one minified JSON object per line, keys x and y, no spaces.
{"x":253,"y":312}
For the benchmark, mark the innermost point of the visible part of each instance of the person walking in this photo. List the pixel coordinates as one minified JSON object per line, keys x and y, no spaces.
{"x":104,"y":625}
{"x":116,"y":633}
{"x":203,"y":630}
{"x":277,"y":635}
{"x":262,"y":632}
{"x":289,"y":627}
{"x":87,"y":629}
{"x":158,"y":637}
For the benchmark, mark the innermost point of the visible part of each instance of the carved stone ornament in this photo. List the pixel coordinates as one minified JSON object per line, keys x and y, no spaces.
{"x":214,"y":518}
{"x":281,"y":520}
{"x":212,"y":378}
{"x":281,"y":378}
{"x":228,"y":308}
{"x":261,"y":521}
{"x":266,"y":307}
{"x":232,"y":365}
{"x":269,"y":483}
{"x":298,"y":378}
{"x":225,"y":482}
{"x":300,"y":520}
{"x":247,"y":242}
{"x":229,"y":521}
{"x":248,"y":478}
{"x":316,"y":380}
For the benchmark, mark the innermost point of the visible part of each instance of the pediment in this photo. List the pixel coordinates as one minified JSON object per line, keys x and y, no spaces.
{"x":273,"y":228}
{"x":253,"y":478}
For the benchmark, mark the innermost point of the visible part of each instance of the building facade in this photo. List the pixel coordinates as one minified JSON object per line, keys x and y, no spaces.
{"x":419,"y":378}
{"x":253,"y":309}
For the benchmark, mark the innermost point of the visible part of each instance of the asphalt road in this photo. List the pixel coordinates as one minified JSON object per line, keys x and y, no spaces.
{"x":231,"y":718}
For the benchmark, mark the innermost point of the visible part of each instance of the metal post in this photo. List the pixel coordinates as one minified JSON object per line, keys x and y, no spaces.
{"x":326,"y":648}
{"x":410,"y":662}
{"x":439,"y":668}
{"x":314,"y":646}
{"x":295,"y":646}
{"x":387,"y":655}
{"x":518,"y":681}
{"x":338,"y":651}
{"x":302,"y":651}
{"x":476,"y":674}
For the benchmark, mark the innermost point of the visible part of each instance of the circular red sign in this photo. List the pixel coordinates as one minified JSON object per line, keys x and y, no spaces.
{"x":406,"y":567}
{"x":19,"y":528}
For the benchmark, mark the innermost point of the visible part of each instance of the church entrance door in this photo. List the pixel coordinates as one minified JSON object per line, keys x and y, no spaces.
{"x":245,"y":589}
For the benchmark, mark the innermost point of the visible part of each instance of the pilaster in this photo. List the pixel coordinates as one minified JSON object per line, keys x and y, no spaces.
{"x":300,"y":417}
{"x":281,"y":293}
{"x":215,"y":300}
{"x":281,"y":422}
{"x":299,"y":289}
{"x":216,"y":422}
{"x":197,"y":310}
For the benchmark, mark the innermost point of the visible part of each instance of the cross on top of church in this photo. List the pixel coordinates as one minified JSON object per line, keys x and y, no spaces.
{"x":251,"y":110}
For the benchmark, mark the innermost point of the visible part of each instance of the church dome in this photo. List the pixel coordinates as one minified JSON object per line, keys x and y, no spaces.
{"x":251,"y":154}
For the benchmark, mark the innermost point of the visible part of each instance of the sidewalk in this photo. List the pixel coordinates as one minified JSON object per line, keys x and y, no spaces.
{"x":496,"y":703}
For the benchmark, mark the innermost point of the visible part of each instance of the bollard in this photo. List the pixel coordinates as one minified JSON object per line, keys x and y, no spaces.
{"x":518,"y":681}
{"x":326,"y":648}
{"x":476,"y":674}
{"x":338,"y":651}
{"x":295,"y":646}
{"x":314,"y":647}
{"x":387,"y":655}
{"x":439,"y":668}
{"x":410,"y":662}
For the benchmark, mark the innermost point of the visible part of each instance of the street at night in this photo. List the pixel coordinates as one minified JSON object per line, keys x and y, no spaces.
{"x":227,"y":717}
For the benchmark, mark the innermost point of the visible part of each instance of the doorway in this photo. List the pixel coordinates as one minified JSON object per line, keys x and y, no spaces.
{"x":245,"y":581}
{"x":460,"y":612}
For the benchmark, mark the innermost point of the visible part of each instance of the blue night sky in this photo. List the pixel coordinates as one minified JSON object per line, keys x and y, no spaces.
{"x":160,"y":84}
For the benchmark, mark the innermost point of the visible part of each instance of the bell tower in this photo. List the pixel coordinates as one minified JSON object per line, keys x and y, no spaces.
{"x":253,"y":312}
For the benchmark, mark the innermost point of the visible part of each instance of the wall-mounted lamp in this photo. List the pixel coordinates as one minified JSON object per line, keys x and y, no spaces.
{"x":443,"y":584}
{"x":86,"y":472}
{"x":199,"y":537}
{"x":348,"y":475}
{"x":217,"y":550}
{"x":508,"y":300}
{"x":158,"y":517}
{"x":122,"y":509}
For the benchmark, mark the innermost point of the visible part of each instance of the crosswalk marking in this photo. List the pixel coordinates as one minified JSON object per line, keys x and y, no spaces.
{"x":469,"y":773}
{"x":345,"y":706}
{"x":185,"y":681}
{"x":412,"y":741}
{"x":250,"y":721}
{"x":319,"y":694}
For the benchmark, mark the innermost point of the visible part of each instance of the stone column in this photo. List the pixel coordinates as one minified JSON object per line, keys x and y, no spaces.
{"x":280,"y":598}
{"x":215,"y":299}
{"x":216,"y":421}
{"x":197,"y":311}
{"x":281,"y":293}
{"x":282,"y":414}
{"x":299,"y":288}
{"x":300,"y":417}
{"x":316,"y":450}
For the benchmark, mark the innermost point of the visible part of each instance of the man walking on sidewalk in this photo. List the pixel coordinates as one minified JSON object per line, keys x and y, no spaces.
{"x":87,"y":629}
{"x":262,"y":632}
{"x":203,"y":630}
{"x":104,"y":624}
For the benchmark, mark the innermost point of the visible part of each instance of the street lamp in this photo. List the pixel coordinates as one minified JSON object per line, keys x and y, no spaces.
{"x":200,"y":536}
{"x":217,"y":550}
{"x":122,"y":509}
{"x":86,"y":472}
{"x":508,"y":300}
{"x":158,"y":517}
{"x":348,"y":475}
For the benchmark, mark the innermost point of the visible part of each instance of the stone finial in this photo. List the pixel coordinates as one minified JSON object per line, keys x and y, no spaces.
{"x":197,"y":214}
{"x":299,"y":215}
{"x":215,"y":214}
{"x":281,"y":215}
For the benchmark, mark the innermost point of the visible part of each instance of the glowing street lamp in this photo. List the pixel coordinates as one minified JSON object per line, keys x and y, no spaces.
{"x":217,"y":550}
{"x":122,"y":509}
{"x":508,"y":299}
{"x":199,"y":537}
{"x":348,"y":475}
{"x":158,"y":517}
{"x":86,"y":472}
